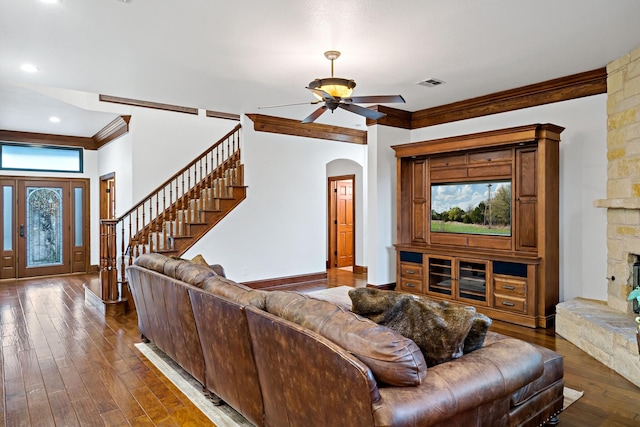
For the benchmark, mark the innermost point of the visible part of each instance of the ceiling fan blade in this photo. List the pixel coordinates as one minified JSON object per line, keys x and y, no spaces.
{"x":313,"y":116}
{"x":322,"y":94}
{"x":370,"y":114}
{"x":377,"y":99}
{"x":289,"y":105}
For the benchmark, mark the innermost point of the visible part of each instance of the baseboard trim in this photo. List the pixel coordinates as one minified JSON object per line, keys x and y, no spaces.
{"x":359,"y":269}
{"x":283,"y":282}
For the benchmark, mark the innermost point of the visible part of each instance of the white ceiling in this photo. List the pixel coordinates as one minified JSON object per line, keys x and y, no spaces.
{"x":234,"y":56}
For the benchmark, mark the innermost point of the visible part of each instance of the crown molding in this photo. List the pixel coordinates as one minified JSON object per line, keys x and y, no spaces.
{"x":47,"y":139}
{"x":263,"y":123}
{"x":118,"y":127}
{"x":579,"y":85}
{"x":148,"y":104}
{"x":394,"y":117}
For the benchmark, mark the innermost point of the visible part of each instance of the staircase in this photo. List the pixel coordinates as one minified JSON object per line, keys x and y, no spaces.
{"x":169,"y":220}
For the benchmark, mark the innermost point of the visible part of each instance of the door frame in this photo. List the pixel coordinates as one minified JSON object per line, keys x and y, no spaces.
{"x":108,"y":196}
{"x":332,"y":229}
{"x":78,"y":257}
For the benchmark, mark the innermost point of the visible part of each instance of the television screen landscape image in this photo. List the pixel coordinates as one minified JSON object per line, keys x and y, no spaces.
{"x":472,"y":208}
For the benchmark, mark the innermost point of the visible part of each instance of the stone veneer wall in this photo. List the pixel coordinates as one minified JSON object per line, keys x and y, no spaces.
{"x":623,"y":175}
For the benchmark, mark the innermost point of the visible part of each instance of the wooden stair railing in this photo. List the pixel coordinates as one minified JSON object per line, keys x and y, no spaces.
{"x":174,"y":215}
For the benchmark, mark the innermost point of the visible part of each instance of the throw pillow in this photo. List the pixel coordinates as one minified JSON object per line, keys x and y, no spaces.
{"x":199,"y":259}
{"x":441,"y":330}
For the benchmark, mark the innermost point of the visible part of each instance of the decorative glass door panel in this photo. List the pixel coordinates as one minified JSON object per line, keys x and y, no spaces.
{"x":43,"y":228}
{"x":7,"y":232}
{"x":440,"y":276}
{"x":472,"y":280}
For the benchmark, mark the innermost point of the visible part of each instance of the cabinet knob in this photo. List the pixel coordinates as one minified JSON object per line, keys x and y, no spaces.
{"x":410,"y":285}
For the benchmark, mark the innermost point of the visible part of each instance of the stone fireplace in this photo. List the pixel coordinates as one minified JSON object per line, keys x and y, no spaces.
{"x":606,"y":330}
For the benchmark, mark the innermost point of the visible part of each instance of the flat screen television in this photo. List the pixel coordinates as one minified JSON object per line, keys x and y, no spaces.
{"x":479,"y":207}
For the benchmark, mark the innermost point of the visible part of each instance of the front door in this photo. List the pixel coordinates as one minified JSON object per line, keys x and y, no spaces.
{"x":47,"y":230}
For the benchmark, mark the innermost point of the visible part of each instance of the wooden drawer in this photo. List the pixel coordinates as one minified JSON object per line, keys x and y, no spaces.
{"x":509,"y":286}
{"x":491,"y":171}
{"x":490,"y":156}
{"x":445,"y":161}
{"x":448,"y":173}
{"x":516,"y":305}
{"x":411,"y":271}
{"x":411,"y":285}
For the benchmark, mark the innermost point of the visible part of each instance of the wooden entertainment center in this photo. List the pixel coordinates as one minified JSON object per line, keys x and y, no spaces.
{"x":510,"y":272}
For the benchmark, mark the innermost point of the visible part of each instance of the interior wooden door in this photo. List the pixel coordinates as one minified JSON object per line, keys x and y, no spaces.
{"x":108,"y":196}
{"x":341,"y":215}
{"x":345,"y":241}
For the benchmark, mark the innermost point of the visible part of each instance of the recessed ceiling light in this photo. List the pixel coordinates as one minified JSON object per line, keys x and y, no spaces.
{"x":54,"y":119}
{"x":50,"y":1}
{"x":28,"y":68}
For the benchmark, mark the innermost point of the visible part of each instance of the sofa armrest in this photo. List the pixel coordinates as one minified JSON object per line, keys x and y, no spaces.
{"x":475,"y":379}
{"x":306,"y":379}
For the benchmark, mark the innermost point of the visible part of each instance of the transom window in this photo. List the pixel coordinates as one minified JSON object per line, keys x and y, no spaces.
{"x":40,"y":158}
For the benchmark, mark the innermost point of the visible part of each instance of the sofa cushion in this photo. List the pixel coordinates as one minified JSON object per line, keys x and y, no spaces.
{"x":152,"y":261}
{"x":233,"y":291}
{"x":172,"y":265}
{"x":442,"y":331}
{"x":393,"y":359}
{"x":193,"y":274}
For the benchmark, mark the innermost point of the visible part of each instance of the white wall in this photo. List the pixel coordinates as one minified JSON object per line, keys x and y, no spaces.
{"x":280,"y":230}
{"x":165,"y":142}
{"x":583,"y":178}
{"x":382,"y":200}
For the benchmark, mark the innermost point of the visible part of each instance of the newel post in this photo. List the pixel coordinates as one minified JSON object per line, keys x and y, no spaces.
{"x":108,"y":257}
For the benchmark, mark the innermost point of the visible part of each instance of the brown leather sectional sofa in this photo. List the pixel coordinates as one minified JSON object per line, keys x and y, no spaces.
{"x":286,"y":359}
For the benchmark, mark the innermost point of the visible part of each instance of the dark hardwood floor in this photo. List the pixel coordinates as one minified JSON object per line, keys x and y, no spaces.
{"x":64,"y":364}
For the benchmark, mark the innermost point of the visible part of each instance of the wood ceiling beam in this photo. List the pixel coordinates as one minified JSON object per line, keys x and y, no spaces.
{"x":263,"y":123}
{"x":148,"y":104}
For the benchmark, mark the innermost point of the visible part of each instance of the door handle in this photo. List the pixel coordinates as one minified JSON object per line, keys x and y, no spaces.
{"x":21,"y":230}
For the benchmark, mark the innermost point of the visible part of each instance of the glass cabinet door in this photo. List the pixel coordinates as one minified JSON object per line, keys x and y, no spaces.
{"x":472,"y":280}
{"x":440,"y":276}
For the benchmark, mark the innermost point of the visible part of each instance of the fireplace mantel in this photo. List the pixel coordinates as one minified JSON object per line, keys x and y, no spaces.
{"x":626,"y":203}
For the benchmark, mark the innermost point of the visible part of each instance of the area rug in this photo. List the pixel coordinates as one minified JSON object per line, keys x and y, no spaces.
{"x":220,"y":416}
{"x":570,"y":396}
{"x":224,"y":415}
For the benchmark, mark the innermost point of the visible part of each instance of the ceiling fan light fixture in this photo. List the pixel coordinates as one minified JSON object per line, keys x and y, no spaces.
{"x":334,"y":86}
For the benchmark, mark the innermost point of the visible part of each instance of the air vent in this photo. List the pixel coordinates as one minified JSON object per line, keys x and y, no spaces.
{"x":430,"y":82}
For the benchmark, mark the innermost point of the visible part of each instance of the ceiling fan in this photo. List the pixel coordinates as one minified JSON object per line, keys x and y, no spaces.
{"x":336,"y":92}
